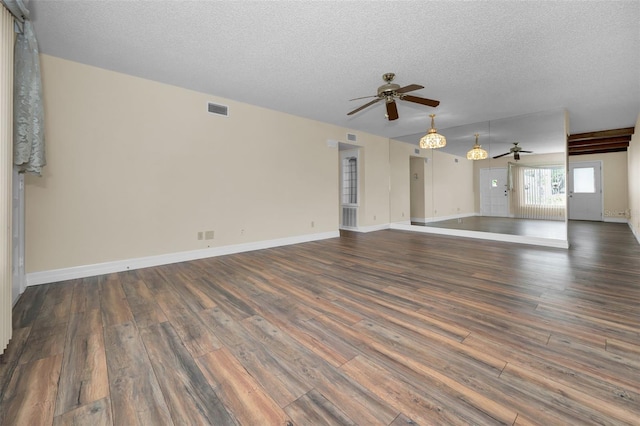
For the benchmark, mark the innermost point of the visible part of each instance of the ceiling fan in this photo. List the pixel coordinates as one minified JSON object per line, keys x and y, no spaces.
{"x":389,"y":92}
{"x":516,"y":150}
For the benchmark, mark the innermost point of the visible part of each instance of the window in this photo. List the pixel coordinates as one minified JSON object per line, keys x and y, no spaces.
{"x":544,"y":186}
{"x":538,"y":191}
{"x":350,"y":180}
{"x":584,"y":180}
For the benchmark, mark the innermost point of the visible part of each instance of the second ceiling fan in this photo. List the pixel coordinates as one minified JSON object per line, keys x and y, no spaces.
{"x":516,"y":149}
{"x":389,"y":92}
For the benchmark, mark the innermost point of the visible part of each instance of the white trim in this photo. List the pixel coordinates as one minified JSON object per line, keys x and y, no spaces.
{"x":440,"y":218}
{"x":55,"y":275}
{"x":547,"y":242}
{"x":635,"y":232}
{"x":365,"y":229}
{"x":616,"y":219}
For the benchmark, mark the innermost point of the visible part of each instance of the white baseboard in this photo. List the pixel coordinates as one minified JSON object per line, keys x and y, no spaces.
{"x":365,"y":229}
{"x":635,"y":232}
{"x":441,"y":218}
{"x":51,"y":276}
{"x":372,"y":228}
{"x":616,"y":219}
{"x":547,"y":242}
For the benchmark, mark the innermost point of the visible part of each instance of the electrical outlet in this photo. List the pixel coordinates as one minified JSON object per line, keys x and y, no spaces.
{"x":242,"y":232}
{"x":200,"y":235}
{"x":208,"y":235}
{"x":402,"y":214}
{"x":313,"y":224}
{"x":374,"y":217}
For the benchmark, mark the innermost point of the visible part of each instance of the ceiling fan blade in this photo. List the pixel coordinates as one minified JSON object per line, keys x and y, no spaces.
{"x":363,"y":97}
{"x":364,"y":106}
{"x":409,"y":88}
{"x":418,"y":100}
{"x":392,"y":110}
{"x":502,"y":155}
{"x":516,"y":156}
{"x":528,"y":152}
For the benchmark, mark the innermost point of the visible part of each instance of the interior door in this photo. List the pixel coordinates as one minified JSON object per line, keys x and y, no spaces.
{"x":585,"y":191}
{"x":494,"y":193}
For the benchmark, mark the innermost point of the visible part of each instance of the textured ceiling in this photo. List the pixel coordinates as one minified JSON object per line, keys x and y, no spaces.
{"x":482,"y":60}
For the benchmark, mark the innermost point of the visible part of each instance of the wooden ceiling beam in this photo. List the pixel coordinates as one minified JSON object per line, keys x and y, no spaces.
{"x":627,"y":131}
{"x":598,"y":147}
{"x":603,"y":141}
{"x":601,"y":151}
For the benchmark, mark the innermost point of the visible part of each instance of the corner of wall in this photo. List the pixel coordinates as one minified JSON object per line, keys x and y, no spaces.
{"x":633,"y":169}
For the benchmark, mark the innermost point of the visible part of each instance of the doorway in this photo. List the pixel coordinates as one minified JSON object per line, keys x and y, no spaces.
{"x":585,"y":191}
{"x":494,"y":192}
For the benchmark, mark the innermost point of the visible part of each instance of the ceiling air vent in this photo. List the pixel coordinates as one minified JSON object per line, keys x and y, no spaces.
{"x":351,"y":137}
{"x":218,"y":109}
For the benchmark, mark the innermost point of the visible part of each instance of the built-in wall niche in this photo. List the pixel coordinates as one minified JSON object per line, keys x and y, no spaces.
{"x":462,"y":194}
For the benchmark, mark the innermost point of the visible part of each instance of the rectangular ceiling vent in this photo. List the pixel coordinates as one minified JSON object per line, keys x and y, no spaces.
{"x":218,"y":109}
{"x":351,"y":137}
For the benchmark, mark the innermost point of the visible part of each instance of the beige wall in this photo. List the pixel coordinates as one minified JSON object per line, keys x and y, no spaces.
{"x":374,"y":207}
{"x":452,"y":185}
{"x":137,"y":168}
{"x":417,"y":169}
{"x":399,"y":175}
{"x":614,"y":182}
{"x":633,"y":158}
{"x":448,"y":188}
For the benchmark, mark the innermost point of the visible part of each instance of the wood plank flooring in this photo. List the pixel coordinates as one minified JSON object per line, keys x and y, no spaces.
{"x":384,"y":328}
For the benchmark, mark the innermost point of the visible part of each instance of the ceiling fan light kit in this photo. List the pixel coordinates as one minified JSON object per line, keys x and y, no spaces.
{"x":477,"y":153}
{"x":389,"y":92}
{"x":433,"y":139}
{"x":516,"y":149}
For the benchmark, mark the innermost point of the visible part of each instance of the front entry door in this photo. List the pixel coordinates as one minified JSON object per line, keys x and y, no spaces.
{"x":585,"y":191}
{"x":494,"y":194}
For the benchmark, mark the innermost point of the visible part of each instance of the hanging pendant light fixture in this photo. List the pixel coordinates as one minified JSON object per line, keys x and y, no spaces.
{"x":477,"y":153}
{"x":432,"y":139}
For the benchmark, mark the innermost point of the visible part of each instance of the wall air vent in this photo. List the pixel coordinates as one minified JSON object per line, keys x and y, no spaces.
{"x":416,"y":151}
{"x":218,"y":109}
{"x":351,"y":137}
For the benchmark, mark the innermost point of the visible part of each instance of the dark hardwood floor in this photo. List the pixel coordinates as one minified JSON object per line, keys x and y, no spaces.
{"x":385,"y":328}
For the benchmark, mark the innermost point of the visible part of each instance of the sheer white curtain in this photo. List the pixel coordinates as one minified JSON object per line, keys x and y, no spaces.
{"x":538,"y":191}
{"x":7,"y":35}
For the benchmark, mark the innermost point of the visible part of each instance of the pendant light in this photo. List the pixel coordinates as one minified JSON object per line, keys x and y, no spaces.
{"x":432,"y":139}
{"x":477,"y":153}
